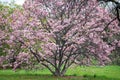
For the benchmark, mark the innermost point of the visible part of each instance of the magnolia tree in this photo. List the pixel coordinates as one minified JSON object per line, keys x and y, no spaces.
{"x":58,"y":33}
{"x":114,"y":9}
{"x":3,"y":22}
{"x":5,"y":47}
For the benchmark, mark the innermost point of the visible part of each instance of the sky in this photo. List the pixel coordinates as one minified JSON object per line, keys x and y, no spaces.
{"x":19,"y":2}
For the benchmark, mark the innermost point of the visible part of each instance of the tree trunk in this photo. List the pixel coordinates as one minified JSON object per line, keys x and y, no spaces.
{"x":58,"y":73}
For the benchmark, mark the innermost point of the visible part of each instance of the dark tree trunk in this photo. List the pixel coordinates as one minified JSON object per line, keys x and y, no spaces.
{"x":58,"y":73}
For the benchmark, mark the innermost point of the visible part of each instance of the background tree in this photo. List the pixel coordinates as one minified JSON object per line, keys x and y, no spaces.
{"x":5,"y":11}
{"x":58,"y":33}
{"x":115,"y":7}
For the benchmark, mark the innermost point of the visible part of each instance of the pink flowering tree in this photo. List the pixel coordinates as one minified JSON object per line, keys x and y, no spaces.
{"x":8,"y":52}
{"x":114,"y":9}
{"x":3,"y":22}
{"x":4,"y":13}
{"x":59,"y":33}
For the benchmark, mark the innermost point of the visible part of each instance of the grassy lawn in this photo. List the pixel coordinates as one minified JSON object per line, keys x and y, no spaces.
{"x":74,"y":73}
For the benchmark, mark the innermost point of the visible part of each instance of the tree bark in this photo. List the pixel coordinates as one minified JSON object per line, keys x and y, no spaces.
{"x":58,"y":73}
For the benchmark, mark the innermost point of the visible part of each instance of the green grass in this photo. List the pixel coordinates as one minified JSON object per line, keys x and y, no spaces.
{"x":74,"y":73}
{"x":107,"y":71}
